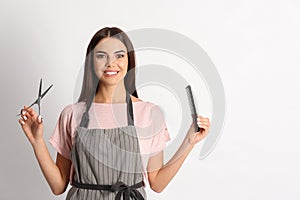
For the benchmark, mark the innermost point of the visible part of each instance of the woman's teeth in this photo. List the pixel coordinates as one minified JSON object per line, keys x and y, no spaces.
{"x":110,"y":73}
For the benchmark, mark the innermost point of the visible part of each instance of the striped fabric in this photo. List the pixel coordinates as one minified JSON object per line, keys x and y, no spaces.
{"x":105,"y":157}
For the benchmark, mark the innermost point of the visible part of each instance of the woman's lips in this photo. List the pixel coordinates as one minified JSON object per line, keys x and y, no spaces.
{"x":110,"y":73}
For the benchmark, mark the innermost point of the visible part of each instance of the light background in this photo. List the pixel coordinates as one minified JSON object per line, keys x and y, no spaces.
{"x":254,"y":45}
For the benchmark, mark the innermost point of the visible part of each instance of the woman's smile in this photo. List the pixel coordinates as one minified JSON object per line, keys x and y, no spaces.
{"x":110,"y":73}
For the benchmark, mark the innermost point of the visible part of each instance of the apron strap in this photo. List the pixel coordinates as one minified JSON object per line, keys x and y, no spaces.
{"x":129,"y":109}
{"x":85,"y":117}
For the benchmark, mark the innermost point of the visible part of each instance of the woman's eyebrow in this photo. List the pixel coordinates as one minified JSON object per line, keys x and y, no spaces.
{"x":120,"y":51}
{"x":101,"y":52}
{"x":114,"y":52}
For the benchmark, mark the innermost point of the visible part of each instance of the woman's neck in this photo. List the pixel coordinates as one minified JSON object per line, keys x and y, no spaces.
{"x":111,"y":94}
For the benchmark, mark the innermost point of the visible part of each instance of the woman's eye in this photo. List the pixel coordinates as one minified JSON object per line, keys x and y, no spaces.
{"x":120,"y":55}
{"x":101,"y":56}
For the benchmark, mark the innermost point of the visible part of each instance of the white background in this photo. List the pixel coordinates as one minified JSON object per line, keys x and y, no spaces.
{"x":254,"y":45}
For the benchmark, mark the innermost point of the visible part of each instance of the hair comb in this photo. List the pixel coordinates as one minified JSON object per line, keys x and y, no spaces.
{"x":192,"y":107}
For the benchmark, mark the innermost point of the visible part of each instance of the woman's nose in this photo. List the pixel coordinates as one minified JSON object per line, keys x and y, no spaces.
{"x":110,"y":62}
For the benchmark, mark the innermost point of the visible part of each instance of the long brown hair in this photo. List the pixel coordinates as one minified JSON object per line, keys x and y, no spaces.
{"x":90,"y":80}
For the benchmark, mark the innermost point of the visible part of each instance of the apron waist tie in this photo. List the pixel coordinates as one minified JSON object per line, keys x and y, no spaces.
{"x":119,"y":187}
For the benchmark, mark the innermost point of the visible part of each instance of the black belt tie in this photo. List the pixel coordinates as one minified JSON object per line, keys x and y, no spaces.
{"x":119,"y":187}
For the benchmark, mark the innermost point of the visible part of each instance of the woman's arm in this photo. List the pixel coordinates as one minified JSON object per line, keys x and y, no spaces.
{"x":160,"y":175}
{"x":56,"y":174}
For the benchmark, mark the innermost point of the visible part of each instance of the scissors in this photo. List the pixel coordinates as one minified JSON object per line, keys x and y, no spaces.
{"x":40,"y":96}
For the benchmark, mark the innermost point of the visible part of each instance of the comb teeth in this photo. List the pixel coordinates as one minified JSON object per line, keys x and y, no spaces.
{"x":192,"y":106}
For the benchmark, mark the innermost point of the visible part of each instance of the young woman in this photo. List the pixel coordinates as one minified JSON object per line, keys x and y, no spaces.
{"x":110,"y":143}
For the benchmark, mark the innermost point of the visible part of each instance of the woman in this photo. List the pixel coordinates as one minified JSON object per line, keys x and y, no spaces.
{"x":102,"y":158}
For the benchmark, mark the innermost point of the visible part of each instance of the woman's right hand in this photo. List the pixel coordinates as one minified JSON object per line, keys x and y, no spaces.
{"x":32,"y":125}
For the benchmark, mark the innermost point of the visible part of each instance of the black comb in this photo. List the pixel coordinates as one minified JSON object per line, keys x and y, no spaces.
{"x":192,"y":107}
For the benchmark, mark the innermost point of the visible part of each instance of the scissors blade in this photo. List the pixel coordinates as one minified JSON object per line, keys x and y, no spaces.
{"x":46,"y":91}
{"x":32,"y":104}
{"x":40,"y":89}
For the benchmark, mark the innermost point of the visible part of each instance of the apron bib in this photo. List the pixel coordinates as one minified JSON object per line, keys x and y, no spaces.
{"x":107,"y":162}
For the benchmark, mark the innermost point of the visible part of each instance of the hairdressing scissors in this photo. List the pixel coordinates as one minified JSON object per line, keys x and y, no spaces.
{"x":40,"y":96}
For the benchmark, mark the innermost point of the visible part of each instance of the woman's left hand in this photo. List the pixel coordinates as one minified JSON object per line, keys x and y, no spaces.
{"x":204,"y":125}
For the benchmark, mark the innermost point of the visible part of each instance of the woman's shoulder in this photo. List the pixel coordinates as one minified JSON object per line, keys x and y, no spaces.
{"x":147,"y":107}
{"x":142,"y":102}
{"x":73,"y":108}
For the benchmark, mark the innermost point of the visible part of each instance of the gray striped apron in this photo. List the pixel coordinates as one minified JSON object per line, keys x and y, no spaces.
{"x":107,"y":162}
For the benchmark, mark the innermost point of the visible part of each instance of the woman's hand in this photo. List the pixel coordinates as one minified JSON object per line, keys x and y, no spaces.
{"x":56,"y":174}
{"x":204,"y":125}
{"x":32,"y":125}
{"x":160,"y":174}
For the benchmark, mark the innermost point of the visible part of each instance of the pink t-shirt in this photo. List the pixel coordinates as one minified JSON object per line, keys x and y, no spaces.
{"x":149,"y":121}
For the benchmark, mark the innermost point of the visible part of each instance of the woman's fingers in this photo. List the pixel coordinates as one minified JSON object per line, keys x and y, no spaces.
{"x":202,"y":119}
{"x":28,"y":114}
{"x":205,"y":127}
{"x":31,"y":123}
{"x":30,"y":111}
{"x":29,"y":118}
{"x":21,"y":122}
{"x":25,"y":115}
{"x":204,"y":124}
{"x":39,"y":119}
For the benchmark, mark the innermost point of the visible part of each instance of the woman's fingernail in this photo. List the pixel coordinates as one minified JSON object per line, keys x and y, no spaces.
{"x":22,"y":122}
{"x":199,"y":123}
{"x":25,"y":118}
{"x":40,"y":119}
{"x":23,"y":112}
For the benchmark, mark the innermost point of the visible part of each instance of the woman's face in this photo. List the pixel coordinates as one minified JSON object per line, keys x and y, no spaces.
{"x":110,"y":61}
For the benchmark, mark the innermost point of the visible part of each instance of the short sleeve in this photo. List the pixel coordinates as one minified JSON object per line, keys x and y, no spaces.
{"x":61,"y":139}
{"x":159,"y":130}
